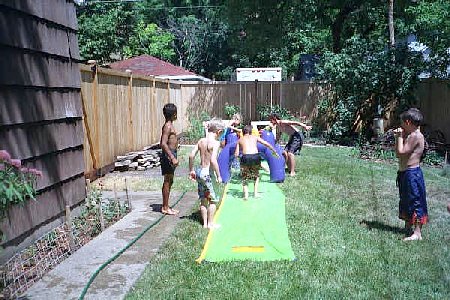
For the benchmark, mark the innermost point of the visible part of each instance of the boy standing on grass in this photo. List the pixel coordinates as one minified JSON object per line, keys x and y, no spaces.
{"x":169,"y":161}
{"x":250,"y":160}
{"x":409,"y":147}
{"x":295,"y":138}
{"x":208,"y":148}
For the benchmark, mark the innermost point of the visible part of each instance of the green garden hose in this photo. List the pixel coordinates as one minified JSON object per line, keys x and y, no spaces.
{"x":93,"y":276}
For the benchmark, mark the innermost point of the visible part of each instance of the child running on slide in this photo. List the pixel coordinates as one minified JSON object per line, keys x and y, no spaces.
{"x":250,"y":160}
{"x":208,"y":148}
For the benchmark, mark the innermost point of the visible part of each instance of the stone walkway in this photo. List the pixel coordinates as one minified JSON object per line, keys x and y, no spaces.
{"x":68,"y":279}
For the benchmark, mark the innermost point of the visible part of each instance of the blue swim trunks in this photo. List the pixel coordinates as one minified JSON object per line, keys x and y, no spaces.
{"x":413,"y":200}
{"x":205,"y":185}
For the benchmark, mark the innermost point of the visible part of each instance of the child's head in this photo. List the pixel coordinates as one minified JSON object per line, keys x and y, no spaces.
{"x":215,"y":125}
{"x":273,"y":118}
{"x":236,"y":119}
{"x":170,"y":112}
{"x":412,"y":116}
{"x":247,"y":129}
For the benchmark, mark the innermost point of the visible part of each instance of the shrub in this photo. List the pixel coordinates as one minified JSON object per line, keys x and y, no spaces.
{"x":231,"y":110}
{"x":17,"y":183}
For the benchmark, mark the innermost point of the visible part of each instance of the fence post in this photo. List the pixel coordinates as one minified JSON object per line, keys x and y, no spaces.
{"x":96,"y":126}
{"x":128,"y":195}
{"x":130,"y":109}
{"x":69,"y":226}
{"x":101,"y":217}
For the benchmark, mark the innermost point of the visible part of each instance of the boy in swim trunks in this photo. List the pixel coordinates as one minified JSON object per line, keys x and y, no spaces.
{"x":208,"y":148}
{"x":250,"y":160}
{"x":409,"y":146}
{"x":168,"y":159}
{"x":295,"y":139}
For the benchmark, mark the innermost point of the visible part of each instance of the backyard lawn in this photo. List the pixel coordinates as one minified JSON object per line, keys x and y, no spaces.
{"x":341,"y":214}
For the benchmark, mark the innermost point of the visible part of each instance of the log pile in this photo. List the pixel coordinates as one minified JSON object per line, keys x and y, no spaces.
{"x":138,"y":161}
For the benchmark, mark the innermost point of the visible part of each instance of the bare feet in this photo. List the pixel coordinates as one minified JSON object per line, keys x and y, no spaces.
{"x":170,"y":211}
{"x":213,"y":226}
{"x":292,"y":174}
{"x":257,"y":195}
{"x":413,"y":237}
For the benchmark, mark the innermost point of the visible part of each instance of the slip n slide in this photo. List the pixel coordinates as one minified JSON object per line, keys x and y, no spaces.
{"x":253,"y":229}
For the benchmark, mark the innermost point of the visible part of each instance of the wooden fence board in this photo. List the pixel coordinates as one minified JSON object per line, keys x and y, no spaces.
{"x":19,"y":105}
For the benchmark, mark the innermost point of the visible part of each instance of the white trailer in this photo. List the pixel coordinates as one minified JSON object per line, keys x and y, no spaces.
{"x":260,"y":74}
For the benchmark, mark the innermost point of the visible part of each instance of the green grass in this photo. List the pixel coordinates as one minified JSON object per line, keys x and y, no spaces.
{"x":342,"y":218}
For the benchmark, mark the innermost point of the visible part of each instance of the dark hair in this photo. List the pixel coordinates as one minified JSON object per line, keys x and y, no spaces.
{"x":414,"y":115}
{"x":247,"y":129}
{"x":274,"y":116}
{"x":169,"y":110}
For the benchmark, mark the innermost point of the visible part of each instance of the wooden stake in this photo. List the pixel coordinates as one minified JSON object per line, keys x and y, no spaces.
{"x":101,"y":217}
{"x":69,"y":226}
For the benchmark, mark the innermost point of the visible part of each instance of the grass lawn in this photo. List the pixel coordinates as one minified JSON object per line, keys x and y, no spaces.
{"x":342,"y":218}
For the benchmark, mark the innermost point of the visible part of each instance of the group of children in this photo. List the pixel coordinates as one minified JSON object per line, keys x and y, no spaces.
{"x":409,"y":146}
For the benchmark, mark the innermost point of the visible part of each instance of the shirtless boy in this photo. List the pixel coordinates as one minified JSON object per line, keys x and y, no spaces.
{"x":250,"y":160}
{"x":208,"y":147}
{"x":169,"y":161}
{"x":409,"y":146}
{"x":295,"y":139}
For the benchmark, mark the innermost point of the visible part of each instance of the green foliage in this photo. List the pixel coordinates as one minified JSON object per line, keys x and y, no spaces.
{"x":104,"y":29}
{"x":196,"y":128}
{"x":17,"y":184}
{"x":230,"y":110}
{"x":365,"y":78}
{"x":265,"y":110}
{"x":152,"y":40}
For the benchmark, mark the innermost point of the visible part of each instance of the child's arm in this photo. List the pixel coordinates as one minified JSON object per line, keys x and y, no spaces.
{"x":401,"y":147}
{"x":289,"y":122}
{"x":191,"y":162}
{"x":274,"y":152}
{"x":214,"y":162}
{"x":236,"y":152}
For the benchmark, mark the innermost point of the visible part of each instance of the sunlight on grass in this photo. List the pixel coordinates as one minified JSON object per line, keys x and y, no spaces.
{"x":341,"y":214}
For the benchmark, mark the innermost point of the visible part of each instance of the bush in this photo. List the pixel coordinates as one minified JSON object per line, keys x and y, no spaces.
{"x":230,"y":110}
{"x":17,"y":183}
{"x":196,"y":129}
{"x":265,"y":110}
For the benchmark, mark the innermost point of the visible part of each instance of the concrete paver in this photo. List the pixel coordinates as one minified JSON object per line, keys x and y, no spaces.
{"x":68,"y":279}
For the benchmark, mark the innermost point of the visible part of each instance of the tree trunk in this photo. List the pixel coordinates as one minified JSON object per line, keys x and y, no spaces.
{"x":391,"y":23}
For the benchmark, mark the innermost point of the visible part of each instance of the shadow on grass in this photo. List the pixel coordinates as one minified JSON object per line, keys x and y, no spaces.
{"x":156,"y":207}
{"x":195,"y":217}
{"x":381,"y":226}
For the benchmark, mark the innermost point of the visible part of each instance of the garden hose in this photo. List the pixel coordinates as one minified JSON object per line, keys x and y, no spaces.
{"x":93,"y":276}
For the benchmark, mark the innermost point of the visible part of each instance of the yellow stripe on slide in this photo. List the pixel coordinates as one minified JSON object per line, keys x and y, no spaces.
{"x":208,"y":239}
{"x":248,"y":249}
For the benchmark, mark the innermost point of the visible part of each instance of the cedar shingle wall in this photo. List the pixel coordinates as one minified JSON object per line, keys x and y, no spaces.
{"x":40,"y":107}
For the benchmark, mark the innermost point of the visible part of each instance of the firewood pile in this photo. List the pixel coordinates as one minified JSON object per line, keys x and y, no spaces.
{"x":138,"y":160}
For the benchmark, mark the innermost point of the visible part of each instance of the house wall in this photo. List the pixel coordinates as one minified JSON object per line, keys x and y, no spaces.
{"x":40,"y":109}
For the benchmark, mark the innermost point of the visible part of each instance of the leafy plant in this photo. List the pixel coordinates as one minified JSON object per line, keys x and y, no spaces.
{"x":231,"y":110}
{"x":196,"y":129}
{"x":265,"y":110}
{"x":17,"y":183}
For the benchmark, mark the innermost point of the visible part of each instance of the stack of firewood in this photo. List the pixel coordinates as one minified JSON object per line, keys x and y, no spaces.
{"x":138,"y":161}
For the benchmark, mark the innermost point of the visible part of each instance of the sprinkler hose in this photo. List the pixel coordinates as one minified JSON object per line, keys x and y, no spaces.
{"x":93,"y":276}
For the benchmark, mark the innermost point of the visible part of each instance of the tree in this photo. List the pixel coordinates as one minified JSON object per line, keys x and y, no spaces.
{"x":152,"y":40}
{"x":104,"y":29}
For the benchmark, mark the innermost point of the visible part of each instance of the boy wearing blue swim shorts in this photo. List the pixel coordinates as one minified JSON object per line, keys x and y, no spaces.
{"x":409,"y":147}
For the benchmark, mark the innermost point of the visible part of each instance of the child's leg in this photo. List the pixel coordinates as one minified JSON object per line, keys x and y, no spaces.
{"x":256,"y":187}
{"x":245,"y":189}
{"x":291,"y":163}
{"x":211,"y":212}
{"x":417,"y":234}
{"x":167,"y":184}
{"x":204,"y":212}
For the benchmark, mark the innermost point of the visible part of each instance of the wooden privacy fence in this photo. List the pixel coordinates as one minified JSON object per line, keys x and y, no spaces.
{"x":123,"y":112}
